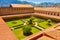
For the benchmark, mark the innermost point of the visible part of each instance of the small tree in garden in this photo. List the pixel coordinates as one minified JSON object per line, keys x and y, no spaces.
{"x":27,"y":30}
{"x":30,"y":21}
{"x":49,"y":21}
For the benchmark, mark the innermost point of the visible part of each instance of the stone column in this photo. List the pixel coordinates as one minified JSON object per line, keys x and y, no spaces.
{"x":53,"y":14}
{"x":50,"y":13}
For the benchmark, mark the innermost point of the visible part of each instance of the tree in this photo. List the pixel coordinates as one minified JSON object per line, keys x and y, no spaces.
{"x":27,"y":30}
{"x":49,"y":21}
{"x":31,"y":20}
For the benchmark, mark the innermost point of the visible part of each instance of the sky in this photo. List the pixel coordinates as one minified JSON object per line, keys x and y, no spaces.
{"x":40,"y":1}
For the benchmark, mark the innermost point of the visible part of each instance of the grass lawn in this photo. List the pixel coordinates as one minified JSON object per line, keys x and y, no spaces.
{"x":18,"y":22}
{"x":45,"y":24}
{"x":19,"y":32}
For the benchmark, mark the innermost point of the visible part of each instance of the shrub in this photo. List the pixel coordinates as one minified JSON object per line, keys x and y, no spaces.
{"x":49,"y":21}
{"x":49,"y":24}
{"x":27,"y":30}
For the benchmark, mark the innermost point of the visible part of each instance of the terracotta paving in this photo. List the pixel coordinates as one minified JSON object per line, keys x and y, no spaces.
{"x":5,"y":32}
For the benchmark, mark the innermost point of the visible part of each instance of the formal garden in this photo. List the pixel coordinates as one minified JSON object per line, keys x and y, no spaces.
{"x":28,"y":26}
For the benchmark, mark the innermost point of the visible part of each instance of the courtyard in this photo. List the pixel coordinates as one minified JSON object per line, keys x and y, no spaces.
{"x":29,"y":25}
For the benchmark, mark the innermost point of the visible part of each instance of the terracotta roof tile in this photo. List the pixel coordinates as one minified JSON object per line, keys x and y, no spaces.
{"x":21,"y":5}
{"x":58,"y":28}
{"x":45,"y":38}
{"x":48,"y":9}
{"x":5,"y":32}
{"x":54,"y":33}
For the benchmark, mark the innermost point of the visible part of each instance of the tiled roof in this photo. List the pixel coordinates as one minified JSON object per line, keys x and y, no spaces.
{"x":48,"y":9}
{"x":45,"y":38}
{"x":54,"y":34}
{"x":21,"y":5}
{"x":5,"y":32}
{"x":58,"y":28}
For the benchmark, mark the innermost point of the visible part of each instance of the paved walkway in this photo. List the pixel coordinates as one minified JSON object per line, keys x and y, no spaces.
{"x":5,"y":32}
{"x":36,"y":25}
